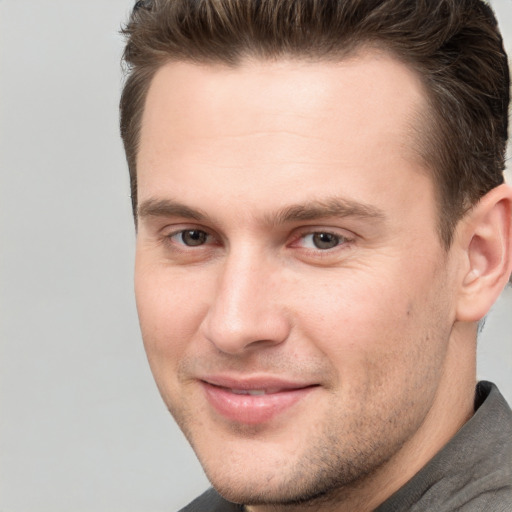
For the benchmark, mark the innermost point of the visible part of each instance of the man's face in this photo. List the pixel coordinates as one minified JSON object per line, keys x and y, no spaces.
{"x":293,"y":293}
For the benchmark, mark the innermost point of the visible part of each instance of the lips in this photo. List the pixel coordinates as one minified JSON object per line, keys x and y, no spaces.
{"x":253,"y":401}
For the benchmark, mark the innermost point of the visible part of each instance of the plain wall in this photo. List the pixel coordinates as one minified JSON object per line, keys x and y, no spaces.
{"x":82,"y":427}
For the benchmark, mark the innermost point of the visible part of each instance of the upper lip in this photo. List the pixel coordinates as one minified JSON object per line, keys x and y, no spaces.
{"x":249,"y":383}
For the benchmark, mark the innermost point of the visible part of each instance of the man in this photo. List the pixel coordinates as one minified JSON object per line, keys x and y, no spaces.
{"x":321,"y":225}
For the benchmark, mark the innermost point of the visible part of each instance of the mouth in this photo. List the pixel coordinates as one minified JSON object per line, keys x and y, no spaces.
{"x":254,"y":392}
{"x":253,"y":402}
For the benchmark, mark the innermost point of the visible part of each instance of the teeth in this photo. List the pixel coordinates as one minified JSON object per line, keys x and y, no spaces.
{"x":248,"y":391}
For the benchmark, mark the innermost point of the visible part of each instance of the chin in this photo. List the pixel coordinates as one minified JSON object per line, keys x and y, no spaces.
{"x":282,"y":493}
{"x":312,"y":479}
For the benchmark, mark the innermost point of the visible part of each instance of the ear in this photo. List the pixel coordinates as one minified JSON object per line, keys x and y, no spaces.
{"x":486,"y":238}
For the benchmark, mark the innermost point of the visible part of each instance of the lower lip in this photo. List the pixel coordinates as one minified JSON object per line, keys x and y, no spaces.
{"x":252,"y":409}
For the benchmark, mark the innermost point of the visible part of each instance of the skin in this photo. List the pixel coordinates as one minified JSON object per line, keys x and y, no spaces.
{"x":255,"y":161}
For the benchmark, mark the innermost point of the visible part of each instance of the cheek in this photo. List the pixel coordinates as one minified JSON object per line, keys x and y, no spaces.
{"x":170,"y":311}
{"x":351,"y":309}
{"x":370,"y":328}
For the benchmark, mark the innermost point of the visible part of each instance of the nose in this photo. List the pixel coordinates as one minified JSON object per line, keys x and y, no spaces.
{"x":246,"y":311}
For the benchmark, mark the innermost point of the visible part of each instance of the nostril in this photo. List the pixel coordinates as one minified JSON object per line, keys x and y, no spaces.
{"x":245,"y":333}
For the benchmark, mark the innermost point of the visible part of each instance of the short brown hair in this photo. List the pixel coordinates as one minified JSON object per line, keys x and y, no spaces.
{"x":454,"y":45}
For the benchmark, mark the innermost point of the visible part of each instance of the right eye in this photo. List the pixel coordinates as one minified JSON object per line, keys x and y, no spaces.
{"x":184,"y":244}
{"x":191,"y":237}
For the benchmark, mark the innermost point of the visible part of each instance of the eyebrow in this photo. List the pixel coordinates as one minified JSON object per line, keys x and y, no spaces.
{"x":310,"y":210}
{"x":320,"y":209}
{"x":168,"y":208}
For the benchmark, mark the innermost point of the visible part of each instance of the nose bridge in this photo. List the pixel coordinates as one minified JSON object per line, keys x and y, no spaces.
{"x":245,"y":309}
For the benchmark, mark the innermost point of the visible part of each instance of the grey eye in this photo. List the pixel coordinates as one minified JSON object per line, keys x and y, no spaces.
{"x":193,"y":237}
{"x":325,"y":240}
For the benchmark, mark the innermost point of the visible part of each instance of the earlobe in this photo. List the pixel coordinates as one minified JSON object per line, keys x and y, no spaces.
{"x":487,"y":244}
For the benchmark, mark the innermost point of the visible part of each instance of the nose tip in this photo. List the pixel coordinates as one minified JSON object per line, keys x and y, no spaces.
{"x":245,"y":313}
{"x":235,"y":333}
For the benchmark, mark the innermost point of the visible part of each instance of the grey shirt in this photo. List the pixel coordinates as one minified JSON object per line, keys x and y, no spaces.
{"x":472,"y":473}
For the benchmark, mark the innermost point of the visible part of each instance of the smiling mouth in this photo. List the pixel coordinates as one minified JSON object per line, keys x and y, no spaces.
{"x":254,"y":405}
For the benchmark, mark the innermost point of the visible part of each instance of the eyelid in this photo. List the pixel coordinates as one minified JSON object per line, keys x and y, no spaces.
{"x":337,"y":240}
{"x":171,"y":231}
{"x":346,"y":238}
{"x":301,"y":233}
{"x":180,"y":234}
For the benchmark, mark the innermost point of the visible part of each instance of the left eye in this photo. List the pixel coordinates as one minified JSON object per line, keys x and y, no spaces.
{"x":321,"y":240}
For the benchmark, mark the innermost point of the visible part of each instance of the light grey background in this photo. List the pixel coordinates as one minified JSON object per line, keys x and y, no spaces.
{"x":82,"y":427}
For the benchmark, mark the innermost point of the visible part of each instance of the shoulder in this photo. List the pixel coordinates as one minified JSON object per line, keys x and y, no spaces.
{"x":473,"y":472}
{"x":495,"y":500}
{"x":211,"y":501}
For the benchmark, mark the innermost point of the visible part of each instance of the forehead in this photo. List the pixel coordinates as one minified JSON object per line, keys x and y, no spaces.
{"x":286,"y":115}
{"x":282,"y":87}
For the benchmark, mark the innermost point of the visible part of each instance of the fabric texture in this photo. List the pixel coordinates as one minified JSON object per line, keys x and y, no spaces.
{"x":472,"y":473}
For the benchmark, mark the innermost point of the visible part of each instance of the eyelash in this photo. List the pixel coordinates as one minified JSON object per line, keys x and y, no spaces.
{"x":173,"y":242}
{"x":340,"y":241}
{"x":182,"y":232}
